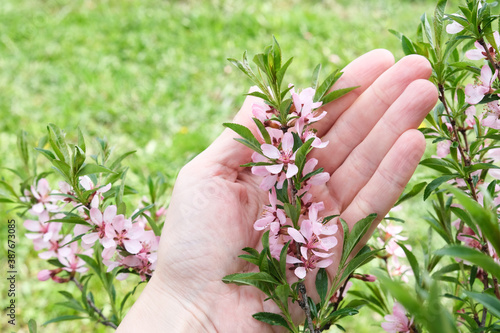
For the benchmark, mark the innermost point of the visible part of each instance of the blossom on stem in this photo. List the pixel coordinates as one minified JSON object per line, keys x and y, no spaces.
{"x":475,"y":93}
{"x":454,"y":28}
{"x":45,"y":200}
{"x":272,"y":216}
{"x":480,"y":53}
{"x":397,"y":322}
{"x":443,"y":148}
{"x":304,"y":106}
{"x":71,"y":262}
{"x":314,"y":249}
{"x":123,"y":233}
{"x":491,"y":117}
{"x":98,"y":230}
{"x":284,"y":159}
{"x":96,"y":198}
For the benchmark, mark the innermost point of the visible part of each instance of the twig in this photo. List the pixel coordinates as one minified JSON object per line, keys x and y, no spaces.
{"x":105,"y":321}
{"x":464,"y":157}
{"x":304,"y":304}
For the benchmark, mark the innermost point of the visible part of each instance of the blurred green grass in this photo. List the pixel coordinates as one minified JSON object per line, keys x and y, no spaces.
{"x":152,"y":76}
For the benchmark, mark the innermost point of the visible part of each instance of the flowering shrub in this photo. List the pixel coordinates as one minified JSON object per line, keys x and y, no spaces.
{"x":81,"y":228}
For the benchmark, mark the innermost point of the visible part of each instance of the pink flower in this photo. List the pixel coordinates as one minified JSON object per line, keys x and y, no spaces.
{"x":495,"y":155}
{"x":95,"y":198}
{"x":492,"y":118}
{"x":308,"y":263}
{"x":284,"y":158}
{"x":99,"y":220}
{"x":475,"y":93}
{"x":306,"y":134}
{"x":314,"y":249}
{"x":45,"y":199}
{"x":71,"y":262}
{"x":443,"y":148}
{"x":454,"y":28}
{"x":470,"y":112}
{"x":304,"y":106}
{"x":272,"y":216}
{"x":480,"y":53}
{"x":397,"y":322}
{"x":269,"y":179}
{"x":122,"y":232}
{"x":264,"y":113}
{"x":398,"y":269}
{"x":44,"y":232}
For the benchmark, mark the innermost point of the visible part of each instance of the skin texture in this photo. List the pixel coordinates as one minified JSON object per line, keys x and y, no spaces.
{"x":374,"y":149}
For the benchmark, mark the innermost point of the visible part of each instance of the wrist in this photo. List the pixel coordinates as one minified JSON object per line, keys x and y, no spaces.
{"x":158,"y":309}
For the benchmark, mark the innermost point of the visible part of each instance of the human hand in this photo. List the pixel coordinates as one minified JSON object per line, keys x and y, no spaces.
{"x":373,"y":151}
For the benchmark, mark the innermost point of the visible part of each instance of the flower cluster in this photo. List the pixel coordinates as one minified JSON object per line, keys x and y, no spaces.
{"x":276,"y":163}
{"x":126,"y":244}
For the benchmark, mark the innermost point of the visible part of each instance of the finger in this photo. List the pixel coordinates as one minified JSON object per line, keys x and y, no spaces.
{"x":389,"y":180}
{"x":361,"y":72}
{"x":406,"y":113}
{"x":354,"y":124}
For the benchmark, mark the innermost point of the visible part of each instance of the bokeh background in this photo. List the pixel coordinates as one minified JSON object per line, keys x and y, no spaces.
{"x":152,"y":76}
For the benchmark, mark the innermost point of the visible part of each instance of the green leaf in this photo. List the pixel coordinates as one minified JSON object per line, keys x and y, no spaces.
{"x":272,"y":319}
{"x":63,"y":318}
{"x":276,"y":54}
{"x":435,"y":184}
{"x":56,"y":140}
{"x":336,"y":94}
{"x":483,"y":217}
{"x":326,"y":85}
{"x":248,"y":137}
{"x":152,"y":223}
{"x":91,"y":262}
{"x":263,"y":131}
{"x":427,"y":29}
{"x":81,"y":140}
{"x":293,"y":212}
{"x":488,"y":301}
{"x":410,"y":194}
{"x":481,"y":166}
{"x":465,"y":217}
{"x":71,"y":219}
{"x":301,"y":153}
{"x":249,"y":278}
{"x":32,"y":326}
{"x":413,"y":262}
{"x":117,"y":162}
{"x":259,"y":95}
{"x":358,"y":231}
{"x":473,"y":256}
{"x":407,"y":45}
{"x":322,"y":284}
{"x":315,"y":77}
{"x":283,"y":255}
{"x":446,"y":269}
{"x":89,"y":169}
{"x":140,"y":211}
{"x":344,"y":312}
{"x":436,"y":164}
{"x":22,"y":146}
{"x":63,"y":169}
{"x":359,"y":260}
{"x":282,"y":71}
{"x":438,"y":21}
